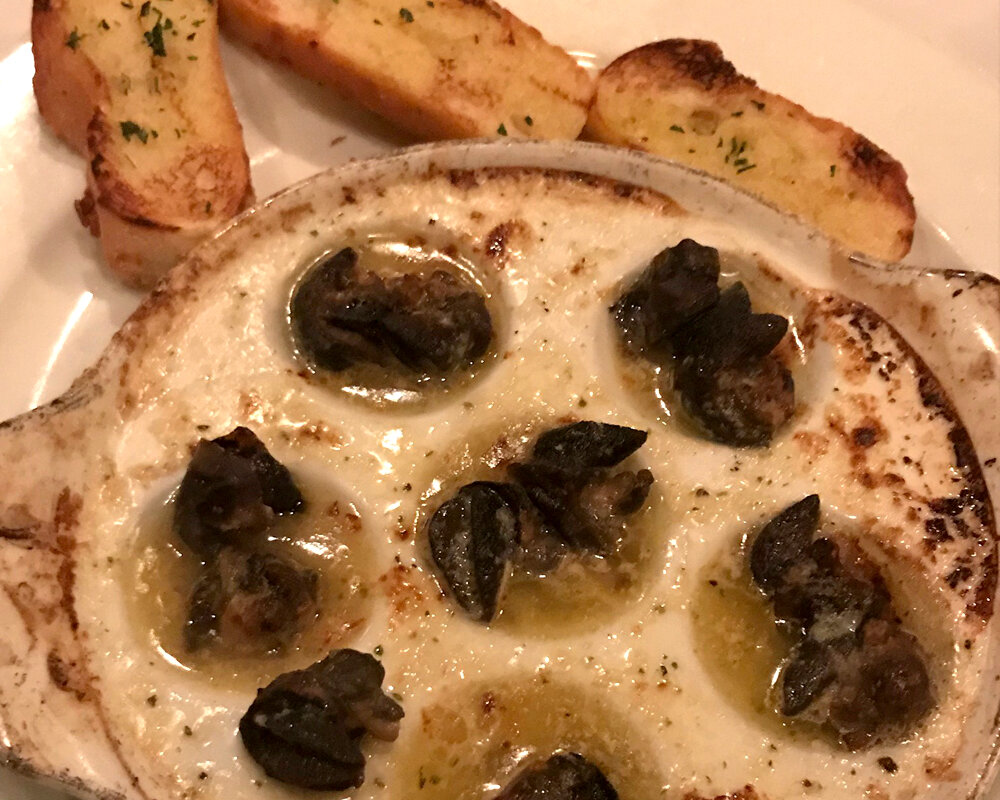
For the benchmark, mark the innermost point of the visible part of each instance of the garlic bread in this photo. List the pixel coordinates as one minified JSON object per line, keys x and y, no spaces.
{"x":137,"y":88}
{"x":441,"y":69}
{"x":682,"y":99}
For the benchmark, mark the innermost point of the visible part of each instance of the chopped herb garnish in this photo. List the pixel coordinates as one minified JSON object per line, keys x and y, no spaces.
{"x":502,"y":130}
{"x":154,"y":38}
{"x":760,"y":106}
{"x":735,"y":149}
{"x":833,"y":170}
{"x":736,"y":114}
{"x":197,"y":23}
{"x":144,"y":9}
{"x":529,"y":121}
{"x":430,"y":3}
{"x":103,"y":24}
{"x":73,"y":40}
{"x":208,"y":208}
{"x":130,"y":129}
{"x":406,"y":15}
{"x":192,"y":58}
{"x":377,"y":21}
{"x":735,"y":155}
{"x":677,"y":128}
{"x":167,"y":24}
{"x":191,"y":36}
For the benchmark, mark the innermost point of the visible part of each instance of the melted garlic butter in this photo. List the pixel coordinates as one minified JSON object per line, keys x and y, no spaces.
{"x":742,"y":649}
{"x":582,"y":591}
{"x":326,"y":537}
{"x":631,"y":677}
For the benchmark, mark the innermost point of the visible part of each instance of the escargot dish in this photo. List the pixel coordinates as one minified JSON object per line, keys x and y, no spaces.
{"x":513,"y":472}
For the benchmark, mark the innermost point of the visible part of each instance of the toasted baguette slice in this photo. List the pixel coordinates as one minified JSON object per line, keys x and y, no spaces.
{"x":682,"y":99}
{"x":137,"y":88}
{"x":442,"y":69}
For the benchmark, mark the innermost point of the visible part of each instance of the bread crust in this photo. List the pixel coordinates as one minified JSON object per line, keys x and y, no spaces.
{"x":548,"y":100}
{"x":67,"y":86}
{"x":682,"y":99}
{"x":148,"y":198}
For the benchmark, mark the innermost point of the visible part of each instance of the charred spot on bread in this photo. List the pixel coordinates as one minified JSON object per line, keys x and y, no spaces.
{"x":306,"y":727}
{"x":696,"y":59}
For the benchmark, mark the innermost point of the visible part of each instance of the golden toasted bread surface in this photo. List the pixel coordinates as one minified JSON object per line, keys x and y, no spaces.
{"x":682,"y":99}
{"x":442,"y":69}
{"x":137,"y":88}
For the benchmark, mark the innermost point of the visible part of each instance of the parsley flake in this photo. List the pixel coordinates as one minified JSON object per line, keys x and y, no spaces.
{"x":130,"y":129}
{"x":406,"y":15}
{"x":73,"y":40}
{"x":677,"y":128}
{"x":833,"y":170}
{"x":529,"y":121}
{"x":154,"y":38}
{"x":502,"y":130}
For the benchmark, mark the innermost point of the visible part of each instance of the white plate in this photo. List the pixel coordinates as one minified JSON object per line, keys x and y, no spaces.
{"x":926,"y":86}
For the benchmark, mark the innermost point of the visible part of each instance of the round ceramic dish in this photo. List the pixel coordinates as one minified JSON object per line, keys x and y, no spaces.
{"x":87,"y":701}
